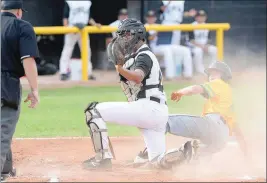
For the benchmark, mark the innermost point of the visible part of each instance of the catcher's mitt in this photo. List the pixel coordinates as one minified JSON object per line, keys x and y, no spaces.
{"x":115,"y":52}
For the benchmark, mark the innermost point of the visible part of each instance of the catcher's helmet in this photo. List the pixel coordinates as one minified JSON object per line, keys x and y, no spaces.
{"x":222,"y":67}
{"x":129,"y":33}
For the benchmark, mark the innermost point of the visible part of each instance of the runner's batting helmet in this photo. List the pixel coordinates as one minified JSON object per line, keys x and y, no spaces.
{"x":222,"y":67}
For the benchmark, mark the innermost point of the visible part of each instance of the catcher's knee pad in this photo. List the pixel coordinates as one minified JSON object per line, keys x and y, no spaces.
{"x":97,"y":129}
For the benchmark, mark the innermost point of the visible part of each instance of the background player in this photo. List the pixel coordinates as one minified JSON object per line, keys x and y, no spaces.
{"x":172,"y":13}
{"x":123,"y":14}
{"x":76,"y":13}
{"x":199,"y":41}
{"x":172,"y":53}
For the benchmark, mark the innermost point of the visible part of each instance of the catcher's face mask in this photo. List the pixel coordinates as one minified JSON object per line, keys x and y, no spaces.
{"x":127,"y":40}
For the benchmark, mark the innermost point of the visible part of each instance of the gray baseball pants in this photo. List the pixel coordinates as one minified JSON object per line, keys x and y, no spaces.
{"x":211,"y":130}
{"x":9,"y":119}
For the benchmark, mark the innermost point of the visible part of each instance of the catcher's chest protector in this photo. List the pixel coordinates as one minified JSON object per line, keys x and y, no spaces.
{"x":152,"y":83}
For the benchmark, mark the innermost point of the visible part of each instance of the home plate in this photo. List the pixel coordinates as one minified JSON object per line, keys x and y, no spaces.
{"x":54,"y":179}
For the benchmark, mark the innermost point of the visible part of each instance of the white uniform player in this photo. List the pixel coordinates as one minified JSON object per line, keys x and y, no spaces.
{"x":172,"y":53}
{"x":123,"y":14}
{"x":146,"y":109}
{"x":76,"y":13}
{"x":199,"y":41}
{"x":172,"y":14}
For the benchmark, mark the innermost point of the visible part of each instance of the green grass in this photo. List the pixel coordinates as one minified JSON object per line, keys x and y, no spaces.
{"x":60,"y":112}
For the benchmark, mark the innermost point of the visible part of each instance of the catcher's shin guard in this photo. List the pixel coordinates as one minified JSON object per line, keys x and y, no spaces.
{"x":98,"y":132}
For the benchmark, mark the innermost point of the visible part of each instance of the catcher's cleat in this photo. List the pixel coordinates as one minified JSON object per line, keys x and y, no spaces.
{"x":141,"y":158}
{"x":92,"y":163}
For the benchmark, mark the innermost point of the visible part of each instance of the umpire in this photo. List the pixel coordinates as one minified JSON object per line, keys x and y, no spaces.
{"x":18,"y":53}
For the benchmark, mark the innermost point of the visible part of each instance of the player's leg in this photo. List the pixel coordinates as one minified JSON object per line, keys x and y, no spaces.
{"x":8,"y":169}
{"x":210,"y":134}
{"x":142,"y":114}
{"x":154,"y":141}
{"x":9,"y":119}
{"x":90,"y":67}
{"x":210,"y":130}
{"x":198,"y":59}
{"x":176,"y":37}
{"x":69,"y":42}
{"x":212,"y":51}
{"x":100,"y":140}
{"x":186,"y":59}
{"x":169,"y":60}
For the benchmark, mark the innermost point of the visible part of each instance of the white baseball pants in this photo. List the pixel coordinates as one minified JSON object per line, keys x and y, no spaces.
{"x":69,"y":42}
{"x":149,"y":116}
{"x":176,"y":37}
{"x":198,"y":57}
{"x":173,"y":55}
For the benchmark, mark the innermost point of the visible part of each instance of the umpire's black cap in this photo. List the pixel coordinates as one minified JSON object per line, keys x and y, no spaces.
{"x":201,"y":13}
{"x":150,"y":13}
{"x":12,"y":4}
{"x":123,"y":11}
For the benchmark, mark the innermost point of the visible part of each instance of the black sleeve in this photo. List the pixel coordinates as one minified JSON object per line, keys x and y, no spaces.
{"x":66,"y":12}
{"x":27,"y":42}
{"x":191,"y":35}
{"x":144,"y":63}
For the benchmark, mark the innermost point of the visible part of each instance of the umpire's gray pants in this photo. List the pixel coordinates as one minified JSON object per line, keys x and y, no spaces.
{"x":211,"y":130}
{"x":9,"y":119}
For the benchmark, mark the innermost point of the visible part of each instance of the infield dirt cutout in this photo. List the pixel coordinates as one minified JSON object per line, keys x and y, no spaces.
{"x":59,"y":159}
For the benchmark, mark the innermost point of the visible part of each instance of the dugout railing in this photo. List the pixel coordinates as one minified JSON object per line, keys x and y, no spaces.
{"x":218,"y":27}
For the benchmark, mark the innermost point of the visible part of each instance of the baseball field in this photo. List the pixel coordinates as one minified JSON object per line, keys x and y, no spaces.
{"x":52,"y":141}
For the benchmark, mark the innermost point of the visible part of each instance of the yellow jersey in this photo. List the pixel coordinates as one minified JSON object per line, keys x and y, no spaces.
{"x":219,"y":100}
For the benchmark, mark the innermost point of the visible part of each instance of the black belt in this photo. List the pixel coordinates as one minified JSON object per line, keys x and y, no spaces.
{"x":155,"y":99}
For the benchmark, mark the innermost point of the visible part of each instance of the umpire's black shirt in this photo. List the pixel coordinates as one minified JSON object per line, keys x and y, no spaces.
{"x":18,"y":41}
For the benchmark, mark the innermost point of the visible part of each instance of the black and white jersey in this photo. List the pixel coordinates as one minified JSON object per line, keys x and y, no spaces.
{"x":199,"y":36}
{"x":151,"y":86}
{"x":173,"y":13}
{"x":77,"y":12}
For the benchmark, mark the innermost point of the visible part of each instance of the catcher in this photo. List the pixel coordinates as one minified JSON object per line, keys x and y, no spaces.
{"x":212,"y":129}
{"x":141,"y":82}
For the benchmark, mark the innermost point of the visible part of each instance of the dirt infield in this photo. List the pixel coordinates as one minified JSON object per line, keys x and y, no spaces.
{"x":59,"y":159}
